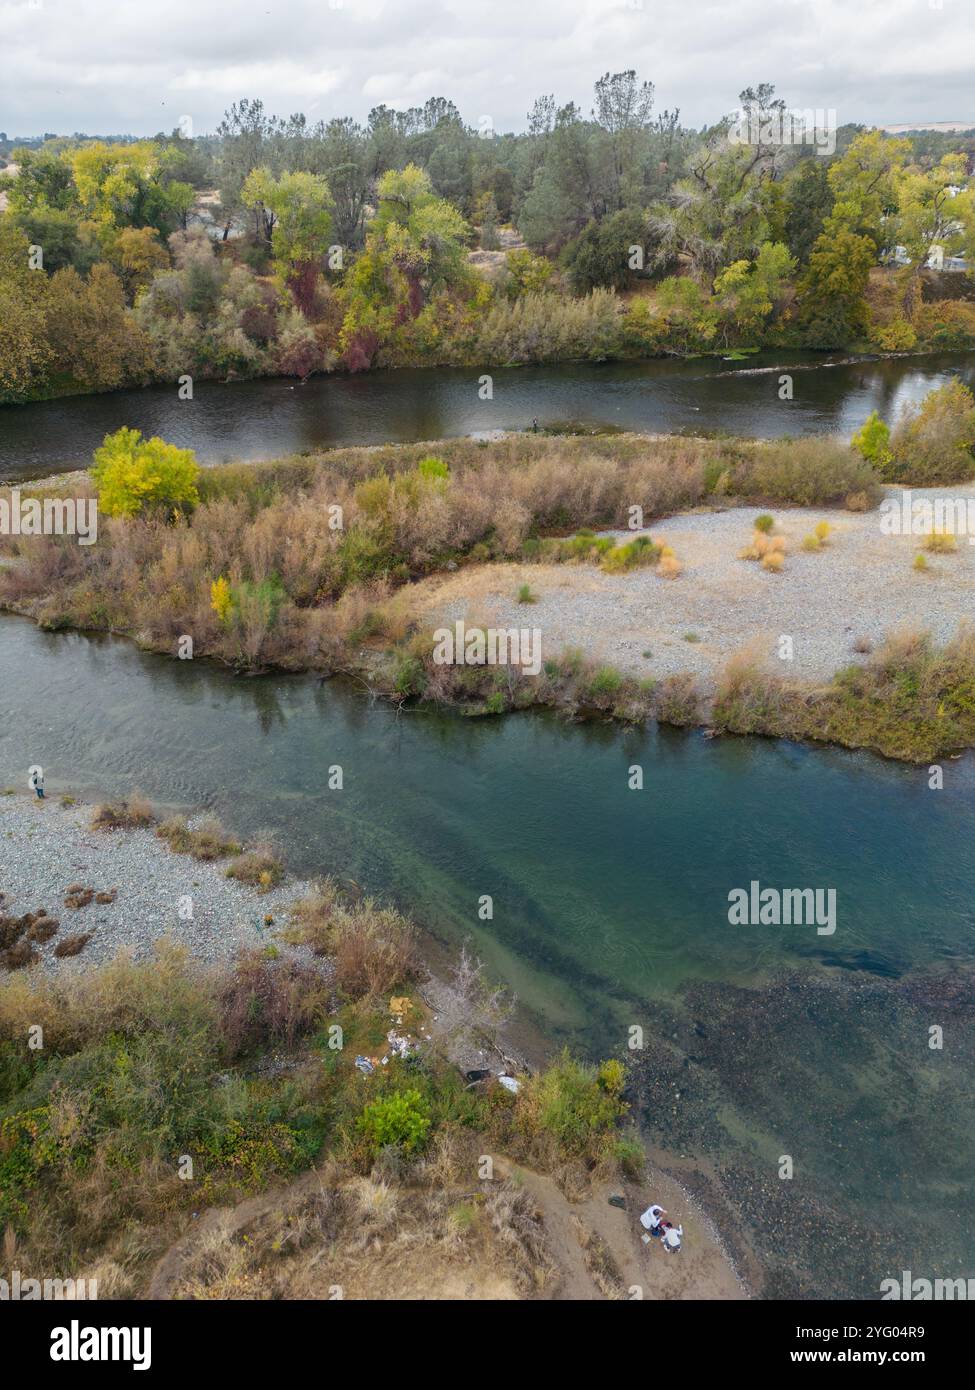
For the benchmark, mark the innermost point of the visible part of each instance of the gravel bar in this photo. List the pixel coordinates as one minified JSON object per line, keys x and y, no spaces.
{"x":835,"y":604}
{"x":46,"y":847}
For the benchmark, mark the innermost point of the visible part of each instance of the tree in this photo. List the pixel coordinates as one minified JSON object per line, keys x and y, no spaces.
{"x":833,"y":310}
{"x":722,"y":212}
{"x":864,"y":182}
{"x":134,"y":475}
{"x":401,"y":192}
{"x":249,"y":139}
{"x":92,"y":337}
{"x":344,"y":164}
{"x":600,"y":255}
{"x":118,"y":185}
{"x":62,"y":239}
{"x":181,"y":198}
{"x":24,"y":350}
{"x":623,"y":107}
{"x":138,"y":255}
{"x":809,"y":201}
{"x":525,"y":273}
{"x":571,"y":187}
{"x":927,"y":215}
{"x":689,"y":312}
{"x":44,"y":180}
{"x":747,"y":292}
{"x":296,"y":210}
{"x":416,"y":249}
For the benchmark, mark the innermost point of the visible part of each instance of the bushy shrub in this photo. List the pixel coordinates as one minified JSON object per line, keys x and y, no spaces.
{"x":130,"y":813}
{"x":401,"y":1119}
{"x":575,"y":1105}
{"x":934,"y":442}
{"x":373,"y":949}
{"x":605,"y":681}
{"x":260,"y":867}
{"x":872,"y":442}
{"x":940,"y":543}
{"x":135,"y":475}
{"x":808,"y":472}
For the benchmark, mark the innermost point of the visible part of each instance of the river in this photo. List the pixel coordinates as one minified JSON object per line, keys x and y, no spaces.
{"x":611,"y":911}
{"x":270,"y":418}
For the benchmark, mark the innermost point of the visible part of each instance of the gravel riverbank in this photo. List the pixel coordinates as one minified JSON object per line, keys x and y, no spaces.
{"x":45,"y":848}
{"x":835,"y":604}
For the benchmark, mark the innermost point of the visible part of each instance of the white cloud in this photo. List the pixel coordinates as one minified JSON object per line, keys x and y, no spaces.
{"x":233,"y":79}
{"x":100,"y":66}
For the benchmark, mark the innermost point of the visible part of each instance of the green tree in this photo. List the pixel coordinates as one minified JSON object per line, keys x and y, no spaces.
{"x":809,"y":201}
{"x":833,"y":309}
{"x":600,"y":255}
{"x":622,"y":109}
{"x":526,"y":273}
{"x":118,"y":185}
{"x":864,"y":184}
{"x":927,"y":216}
{"x":63,"y":240}
{"x":747,"y":292}
{"x":44,"y":179}
{"x":416,"y":249}
{"x":569,"y":188}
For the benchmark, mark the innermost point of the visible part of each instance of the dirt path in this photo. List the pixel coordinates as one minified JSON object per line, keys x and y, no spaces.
{"x":701,"y":1270}
{"x":576,"y":1282}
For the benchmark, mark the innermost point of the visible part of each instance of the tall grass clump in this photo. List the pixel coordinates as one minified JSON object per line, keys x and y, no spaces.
{"x":373,"y":948}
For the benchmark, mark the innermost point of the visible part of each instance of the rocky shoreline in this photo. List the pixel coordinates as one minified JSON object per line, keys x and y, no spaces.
{"x":49,"y":848}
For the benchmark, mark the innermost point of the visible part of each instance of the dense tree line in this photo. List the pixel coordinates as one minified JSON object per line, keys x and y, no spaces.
{"x":278,"y":246}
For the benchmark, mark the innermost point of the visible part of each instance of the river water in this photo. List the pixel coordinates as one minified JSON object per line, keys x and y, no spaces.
{"x":611,"y":912}
{"x":271,"y":418}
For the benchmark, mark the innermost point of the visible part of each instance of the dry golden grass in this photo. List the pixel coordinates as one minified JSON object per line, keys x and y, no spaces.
{"x":373,"y":948}
{"x":365,"y":1238}
{"x":133,"y":812}
{"x":206,"y":841}
{"x":940,"y":543}
{"x":260,"y":866}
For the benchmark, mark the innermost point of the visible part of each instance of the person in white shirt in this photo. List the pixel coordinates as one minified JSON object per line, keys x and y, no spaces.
{"x":672,"y":1237}
{"x":651,"y":1219}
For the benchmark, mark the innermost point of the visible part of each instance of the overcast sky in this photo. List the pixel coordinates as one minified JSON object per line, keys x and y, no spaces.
{"x":138,"y":66}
